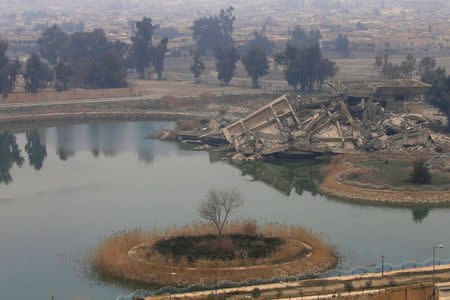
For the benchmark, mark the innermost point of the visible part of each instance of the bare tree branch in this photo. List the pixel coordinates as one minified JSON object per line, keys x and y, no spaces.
{"x":219,"y":205}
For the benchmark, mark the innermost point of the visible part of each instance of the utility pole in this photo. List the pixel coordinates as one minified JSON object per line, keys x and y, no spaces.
{"x":382,"y":265}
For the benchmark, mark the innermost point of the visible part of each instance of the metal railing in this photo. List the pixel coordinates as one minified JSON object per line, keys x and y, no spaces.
{"x":360,"y":270}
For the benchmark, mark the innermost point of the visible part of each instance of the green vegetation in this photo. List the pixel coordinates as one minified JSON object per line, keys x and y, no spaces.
{"x":342,"y":45}
{"x":256,"y":293}
{"x":198,"y":66}
{"x":37,"y":74}
{"x":396,"y":173}
{"x":420,"y":173}
{"x":8,"y":71}
{"x":305,"y":67}
{"x":439,"y":95}
{"x":214,"y":32}
{"x":388,"y":70}
{"x":226,"y":59}
{"x":212,"y":247}
{"x":256,"y":64}
{"x":261,"y":41}
{"x":80,"y":60}
{"x":141,"y":45}
{"x":300,"y":38}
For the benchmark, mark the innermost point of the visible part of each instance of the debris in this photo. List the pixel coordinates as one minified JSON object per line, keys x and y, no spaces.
{"x":358,"y":117}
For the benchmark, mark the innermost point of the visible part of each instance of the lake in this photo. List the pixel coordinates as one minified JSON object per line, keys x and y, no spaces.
{"x":65,"y":187}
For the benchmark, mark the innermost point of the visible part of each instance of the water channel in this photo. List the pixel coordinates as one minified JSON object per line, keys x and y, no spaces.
{"x":64,"y":187}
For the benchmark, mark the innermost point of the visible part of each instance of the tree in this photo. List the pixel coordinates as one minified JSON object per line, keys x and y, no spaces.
{"x":219,"y":205}
{"x":37,"y":74}
{"x":214,"y":31}
{"x":439,"y":94}
{"x":388,"y":70}
{"x":256,"y":64}
{"x":198,"y":66}
{"x":51,"y":43}
{"x":159,"y":54}
{"x":300,"y":38}
{"x":226,"y":63}
{"x":420,"y":173}
{"x":305,"y":67}
{"x":341,"y":44}
{"x":8,"y":71}
{"x":262,"y":42}
{"x":408,"y":66}
{"x":63,"y":74}
{"x":427,"y":67}
{"x":142,"y":44}
{"x":108,"y":73}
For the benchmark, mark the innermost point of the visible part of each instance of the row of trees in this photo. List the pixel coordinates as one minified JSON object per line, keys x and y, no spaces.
{"x":302,"y":60}
{"x":85,"y":59}
{"x":144,"y":56}
{"x":79,"y":60}
{"x":389,"y":70}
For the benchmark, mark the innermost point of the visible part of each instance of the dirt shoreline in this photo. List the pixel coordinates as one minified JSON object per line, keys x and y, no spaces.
{"x":334,"y":187}
{"x":90,"y":116}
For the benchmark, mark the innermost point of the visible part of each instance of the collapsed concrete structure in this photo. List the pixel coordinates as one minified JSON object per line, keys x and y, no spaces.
{"x":357,"y":117}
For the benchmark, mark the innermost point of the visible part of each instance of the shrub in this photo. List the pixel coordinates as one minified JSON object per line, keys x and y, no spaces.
{"x":256,"y":293}
{"x":348,"y":286}
{"x":420,"y":174}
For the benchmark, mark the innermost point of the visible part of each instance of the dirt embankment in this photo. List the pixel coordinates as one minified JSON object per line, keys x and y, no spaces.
{"x":331,"y":185}
{"x":167,"y":108}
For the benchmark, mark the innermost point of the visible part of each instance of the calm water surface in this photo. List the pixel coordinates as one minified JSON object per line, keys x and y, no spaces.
{"x":78,"y":183}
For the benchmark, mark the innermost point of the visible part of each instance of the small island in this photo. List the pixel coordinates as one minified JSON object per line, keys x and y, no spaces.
{"x":213,"y":251}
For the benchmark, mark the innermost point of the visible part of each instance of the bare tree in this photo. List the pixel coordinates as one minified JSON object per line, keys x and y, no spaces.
{"x":219,"y":205}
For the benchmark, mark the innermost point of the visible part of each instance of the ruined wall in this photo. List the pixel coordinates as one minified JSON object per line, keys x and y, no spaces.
{"x":70,"y":95}
{"x":415,"y":107}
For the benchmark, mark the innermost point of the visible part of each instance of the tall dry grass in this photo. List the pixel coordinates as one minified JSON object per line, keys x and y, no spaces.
{"x":111,"y":256}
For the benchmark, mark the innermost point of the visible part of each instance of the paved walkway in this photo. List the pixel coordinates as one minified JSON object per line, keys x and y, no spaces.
{"x":327,"y":286}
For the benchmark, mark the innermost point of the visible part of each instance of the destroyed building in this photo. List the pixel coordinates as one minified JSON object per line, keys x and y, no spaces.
{"x":399,"y":95}
{"x":357,"y":117}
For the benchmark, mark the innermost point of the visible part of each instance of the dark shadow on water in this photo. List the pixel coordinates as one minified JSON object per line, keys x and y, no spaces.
{"x":9,"y":155}
{"x":36,"y":149}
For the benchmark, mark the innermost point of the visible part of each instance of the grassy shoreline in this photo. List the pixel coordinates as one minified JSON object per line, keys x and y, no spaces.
{"x":112,"y":257}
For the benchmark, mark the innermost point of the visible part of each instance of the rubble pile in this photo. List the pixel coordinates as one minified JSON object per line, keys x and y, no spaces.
{"x":356,"y":119}
{"x":332,"y":128}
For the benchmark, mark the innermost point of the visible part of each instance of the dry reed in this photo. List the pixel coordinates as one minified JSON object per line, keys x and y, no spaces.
{"x":112,"y":256}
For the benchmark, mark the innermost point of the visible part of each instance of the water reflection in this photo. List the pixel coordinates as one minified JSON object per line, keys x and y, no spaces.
{"x":110,"y":139}
{"x":36,"y":149}
{"x":305,"y":175}
{"x":107,"y":139}
{"x":420,"y":213}
{"x":285,"y":176}
{"x":9,"y":155}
